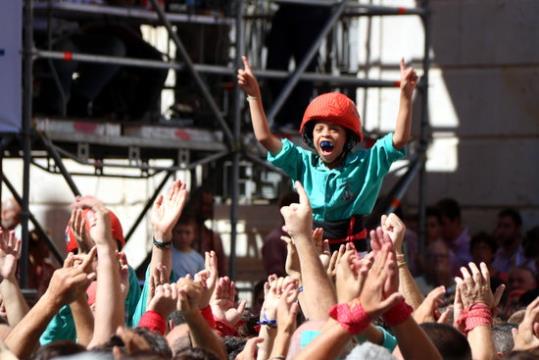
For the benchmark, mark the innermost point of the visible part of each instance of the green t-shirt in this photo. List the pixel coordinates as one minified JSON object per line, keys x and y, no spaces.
{"x":338,"y":194}
{"x":62,"y":326}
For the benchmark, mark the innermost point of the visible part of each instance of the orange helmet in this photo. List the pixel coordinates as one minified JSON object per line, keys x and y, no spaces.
{"x":335,"y":108}
{"x":88,"y":214}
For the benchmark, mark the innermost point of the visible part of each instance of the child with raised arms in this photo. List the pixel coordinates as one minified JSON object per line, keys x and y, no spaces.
{"x":342,"y":183}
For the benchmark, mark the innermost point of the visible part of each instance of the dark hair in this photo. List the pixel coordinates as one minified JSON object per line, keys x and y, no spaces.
{"x":195,"y":354}
{"x":234,"y":345}
{"x":502,"y":337}
{"x":289,"y":198}
{"x":513,"y":214}
{"x":523,"y":355}
{"x":531,"y":243}
{"x":57,"y":349}
{"x":484,"y":238}
{"x":449,"y":341}
{"x":157,"y":342}
{"x":449,"y":208}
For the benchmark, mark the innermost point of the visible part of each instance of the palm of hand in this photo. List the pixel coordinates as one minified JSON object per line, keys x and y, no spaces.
{"x":167,"y":209}
{"x":225,"y":311}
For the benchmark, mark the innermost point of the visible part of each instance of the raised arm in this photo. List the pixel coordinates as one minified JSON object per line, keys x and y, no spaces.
{"x":16,"y":307}
{"x":166,"y":211}
{"x":249,"y":84}
{"x":403,"y":128}
{"x":65,"y":286}
{"x":317,"y":290}
{"x":396,"y":230}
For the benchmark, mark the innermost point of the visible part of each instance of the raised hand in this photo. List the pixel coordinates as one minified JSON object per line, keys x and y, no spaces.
{"x":287,"y":309}
{"x":158,"y":277}
{"x":428,"y":310}
{"x":165,"y":300}
{"x":10,"y":252}
{"x":68,"y":283}
{"x":77,"y":225}
{"x":475,"y":287}
{"x":408,"y":79}
{"x":527,"y":335}
{"x":247,"y":80}
{"x":351,"y":274}
{"x":167,"y":209}
{"x":207,"y":278}
{"x":124,"y":273}
{"x":395,"y":228}
{"x":223,"y":305}
{"x":99,"y":221}
{"x":298,"y":217}
{"x":189,"y":295}
{"x":291,"y":266}
{"x":374,"y":296}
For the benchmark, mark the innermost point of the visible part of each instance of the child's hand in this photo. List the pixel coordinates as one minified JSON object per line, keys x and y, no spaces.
{"x":247,"y":80}
{"x":408,"y":80}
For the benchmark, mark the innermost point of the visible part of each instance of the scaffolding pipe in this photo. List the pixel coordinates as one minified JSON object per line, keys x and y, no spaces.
{"x":424,"y":130}
{"x":214,"y":69}
{"x":147,"y":206}
{"x":57,"y":254}
{"x":300,"y":69}
{"x":60,"y":164}
{"x":238,"y":98}
{"x":26,"y":136}
{"x":198,"y":80}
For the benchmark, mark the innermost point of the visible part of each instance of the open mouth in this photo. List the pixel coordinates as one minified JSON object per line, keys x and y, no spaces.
{"x":326,"y":146}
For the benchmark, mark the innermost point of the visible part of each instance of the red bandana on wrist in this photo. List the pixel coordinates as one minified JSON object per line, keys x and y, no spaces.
{"x":476,"y":315}
{"x":397,"y":314}
{"x":354,"y":320}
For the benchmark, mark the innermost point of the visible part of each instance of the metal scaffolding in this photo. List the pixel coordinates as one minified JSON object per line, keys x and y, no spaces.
{"x":233,"y":145}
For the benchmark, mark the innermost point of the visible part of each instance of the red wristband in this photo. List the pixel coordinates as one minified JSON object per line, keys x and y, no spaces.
{"x":354,"y":320}
{"x":153,"y":321}
{"x":397,"y":314}
{"x":479,"y":314}
{"x":208,"y":316}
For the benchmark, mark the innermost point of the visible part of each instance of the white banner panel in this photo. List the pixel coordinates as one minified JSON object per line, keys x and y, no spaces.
{"x":10,"y":65}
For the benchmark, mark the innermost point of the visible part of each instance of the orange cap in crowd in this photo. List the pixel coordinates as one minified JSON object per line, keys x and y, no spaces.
{"x":335,"y":108}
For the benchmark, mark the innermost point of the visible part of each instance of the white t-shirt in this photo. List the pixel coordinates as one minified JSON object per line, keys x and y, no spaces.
{"x":184,"y":263}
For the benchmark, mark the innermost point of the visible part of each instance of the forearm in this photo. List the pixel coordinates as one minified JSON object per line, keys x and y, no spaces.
{"x":161,"y":256}
{"x":84,"y":321}
{"x":281,"y":343}
{"x":413,"y":342}
{"x":109,"y":310}
{"x":317,"y":290}
{"x":261,"y":127}
{"x":407,"y":285}
{"x":202,"y":335}
{"x":16,"y":306}
{"x":480,"y":340}
{"x":403,"y":128}
{"x":267,"y":334}
{"x":24,"y":337}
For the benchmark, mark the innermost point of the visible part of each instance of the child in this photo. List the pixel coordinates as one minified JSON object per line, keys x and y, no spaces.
{"x":342,"y":184}
{"x":185,"y":260}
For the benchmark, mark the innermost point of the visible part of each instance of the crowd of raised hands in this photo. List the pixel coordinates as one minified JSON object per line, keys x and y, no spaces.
{"x":331,"y":305}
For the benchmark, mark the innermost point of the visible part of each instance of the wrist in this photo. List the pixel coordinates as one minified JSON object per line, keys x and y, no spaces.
{"x":52,"y":302}
{"x":478,"y":314}
{"x":352,"y":317}
{"x":398,"y":313}
{"x":162,"y":236}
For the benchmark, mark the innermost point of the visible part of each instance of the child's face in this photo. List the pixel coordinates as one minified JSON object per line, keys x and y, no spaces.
{"x":329,"y":140}
{"x":183,"y":236}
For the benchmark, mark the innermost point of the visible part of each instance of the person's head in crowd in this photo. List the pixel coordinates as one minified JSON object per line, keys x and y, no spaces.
{"x":521,"y":279}
{"x":234,"y":345}
{"x":450,"y":219}
{"x":451,"y":344}
{"x":58,"y":349}
{"x":369,"y":351}
{"x":434,"y":228}
{"x":11,"y":214}
{"x":532,"y":354}
{"x":184,"y":234}
{"x":502,"y":337}
{"x":508,"y":228}
{"x":438,"y":268}
{"x":196,"y":353}
{"x":483,"y":248}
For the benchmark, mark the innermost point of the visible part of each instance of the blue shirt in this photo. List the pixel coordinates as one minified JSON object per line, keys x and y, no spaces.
{"x":339,"y":193}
